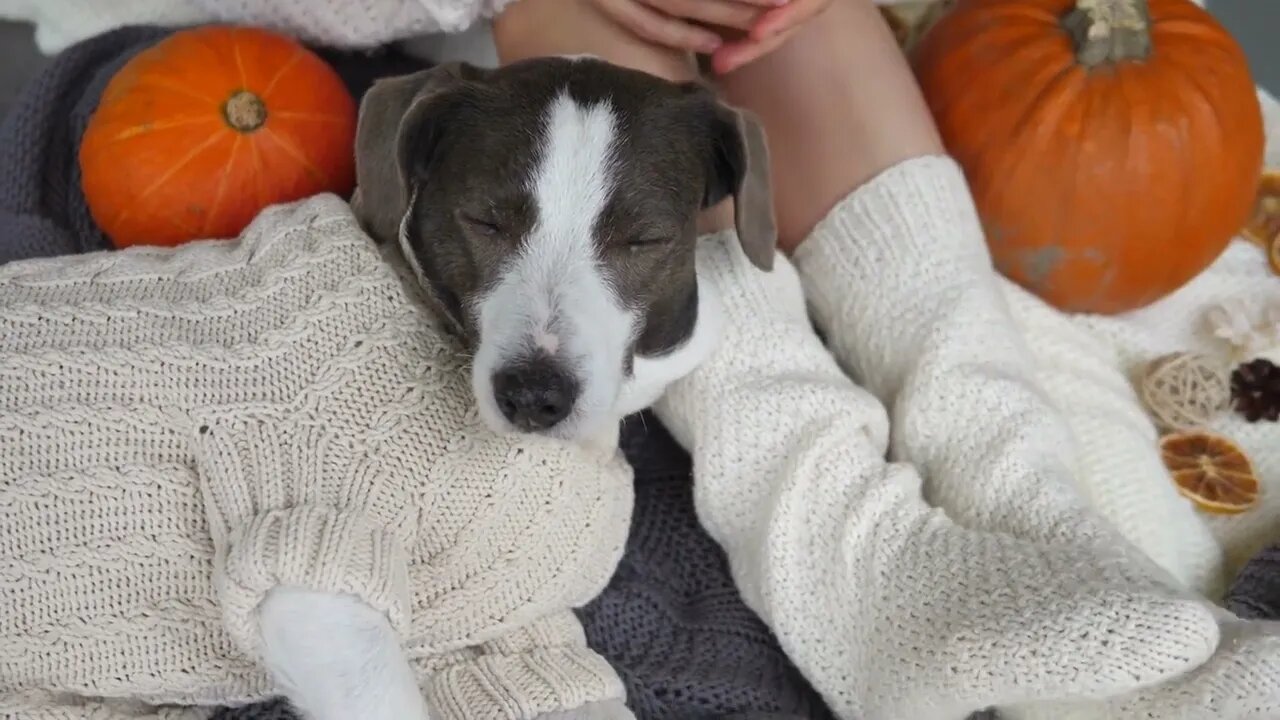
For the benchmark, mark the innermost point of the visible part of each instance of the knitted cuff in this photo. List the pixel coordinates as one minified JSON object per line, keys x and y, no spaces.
{"x":767,"y":338}
{"x":890,"y":258}
{"x":541,"y":668}
{"x":274,"y":495}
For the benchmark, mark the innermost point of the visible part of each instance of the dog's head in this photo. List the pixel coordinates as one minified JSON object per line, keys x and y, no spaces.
{"x":550,"y":210}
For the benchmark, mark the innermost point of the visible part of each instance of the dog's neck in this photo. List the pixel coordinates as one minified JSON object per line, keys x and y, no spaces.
{"x":653,"y":374}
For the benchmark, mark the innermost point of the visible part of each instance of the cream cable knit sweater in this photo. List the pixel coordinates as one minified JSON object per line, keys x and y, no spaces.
{"x":183,"y":429}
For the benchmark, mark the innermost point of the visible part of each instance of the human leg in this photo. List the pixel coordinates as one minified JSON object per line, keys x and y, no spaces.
{"x":813,"y":95}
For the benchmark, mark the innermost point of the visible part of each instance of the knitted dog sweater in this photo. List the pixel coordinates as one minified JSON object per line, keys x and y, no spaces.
{"x":184,"y":429}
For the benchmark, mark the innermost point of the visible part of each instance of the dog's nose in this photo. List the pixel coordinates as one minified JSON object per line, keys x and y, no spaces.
{"x":534,"y":395}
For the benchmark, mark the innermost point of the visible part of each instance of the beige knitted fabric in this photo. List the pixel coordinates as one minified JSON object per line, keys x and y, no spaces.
{"x":181,"y":430}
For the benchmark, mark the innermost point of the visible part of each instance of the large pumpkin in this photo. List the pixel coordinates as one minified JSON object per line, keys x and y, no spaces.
{"x":1113,"y":146}
{"x":197,"y":134}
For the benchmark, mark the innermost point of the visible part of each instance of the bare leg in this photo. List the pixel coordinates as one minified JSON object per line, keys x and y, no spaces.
{"x":839,"y":105}
{"x":537,"y":28}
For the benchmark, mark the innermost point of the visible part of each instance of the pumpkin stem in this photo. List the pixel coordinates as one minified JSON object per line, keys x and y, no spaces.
{"x":244,"y":111}
{"x":1106,"y":32}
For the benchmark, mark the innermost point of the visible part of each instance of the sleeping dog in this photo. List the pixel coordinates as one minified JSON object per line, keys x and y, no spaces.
{"x":549,"y":209}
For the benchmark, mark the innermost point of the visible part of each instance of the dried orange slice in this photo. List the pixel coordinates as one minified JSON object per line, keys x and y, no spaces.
{"x":1211,"y":471}
{"x":1263,"y":226}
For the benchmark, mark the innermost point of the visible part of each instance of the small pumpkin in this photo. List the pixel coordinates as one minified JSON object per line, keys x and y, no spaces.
{"x":198,"y":133}
{"x":1113,"y":147}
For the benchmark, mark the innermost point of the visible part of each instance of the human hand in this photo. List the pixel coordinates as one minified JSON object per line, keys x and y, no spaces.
{"x":689,"y":24}
{"x":773,"y":28}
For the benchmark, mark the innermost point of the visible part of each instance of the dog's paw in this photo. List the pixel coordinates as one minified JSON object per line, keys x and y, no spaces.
{"x":336,"y":658}
{"x":602,"y":710}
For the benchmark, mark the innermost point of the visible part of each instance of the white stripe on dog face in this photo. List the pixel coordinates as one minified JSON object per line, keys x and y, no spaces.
{"x":553,"y":297}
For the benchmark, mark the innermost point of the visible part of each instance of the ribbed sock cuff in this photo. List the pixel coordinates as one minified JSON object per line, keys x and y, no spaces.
{"x":890,"y":258}
{"x":915,"y":218}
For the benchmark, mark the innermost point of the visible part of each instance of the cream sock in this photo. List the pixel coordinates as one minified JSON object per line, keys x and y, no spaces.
{"x":1240,"y":682}
{"x":900,"y":276}
{"x":1081,"y":372}
{"x":1121,"y":474}
{"x":889,"y":608}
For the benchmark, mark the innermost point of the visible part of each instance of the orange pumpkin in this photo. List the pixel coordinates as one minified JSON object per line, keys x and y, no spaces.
{"x":197,"y":134}
{"x":1113,"y":146}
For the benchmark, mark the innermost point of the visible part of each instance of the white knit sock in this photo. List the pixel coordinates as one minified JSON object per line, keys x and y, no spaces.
{"x":889,"y":608}
{"x":1240,"y":682}
{"x":1121,"y":474}
{"x":922,"y":316}
{"x":900,"y":277}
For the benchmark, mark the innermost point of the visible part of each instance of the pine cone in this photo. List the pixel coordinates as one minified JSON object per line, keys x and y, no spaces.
{"x":1255,"y":390}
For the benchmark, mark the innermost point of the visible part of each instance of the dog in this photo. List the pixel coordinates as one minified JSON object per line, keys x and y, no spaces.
{"x":549,"y":209}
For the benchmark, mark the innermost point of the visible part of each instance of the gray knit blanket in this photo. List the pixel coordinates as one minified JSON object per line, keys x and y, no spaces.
{"x":671,"y":621}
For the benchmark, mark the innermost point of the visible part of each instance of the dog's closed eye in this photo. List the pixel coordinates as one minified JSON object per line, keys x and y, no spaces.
{"x":485,"y":225}
{"x":648,"y":242}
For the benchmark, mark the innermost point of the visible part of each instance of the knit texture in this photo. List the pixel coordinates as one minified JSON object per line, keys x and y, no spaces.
{"x":900,"y":278}
{"x":333,"y":23}
{"x":888,"y":607}
{"x":183,"y":429}
{"x":1044,"y":416}
{"x":671,"y":620}
{"x":60,"y":24}
{"x":1179,"y":323}
{"x":1085,"y":362}
{"x":1088,"y":363}
{"x":1255,"y":594}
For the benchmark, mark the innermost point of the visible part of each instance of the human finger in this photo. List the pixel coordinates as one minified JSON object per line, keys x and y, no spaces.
{"x":738,"y":54}
{"x":722,"y":13}
{"x":787,"y":17}
{"x":660,"y":28}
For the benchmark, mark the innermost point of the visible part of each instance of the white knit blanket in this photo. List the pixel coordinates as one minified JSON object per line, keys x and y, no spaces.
{"x":1088,"y":364}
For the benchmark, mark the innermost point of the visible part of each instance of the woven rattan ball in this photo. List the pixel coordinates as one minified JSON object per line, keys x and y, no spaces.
{"x":1183,"y":391}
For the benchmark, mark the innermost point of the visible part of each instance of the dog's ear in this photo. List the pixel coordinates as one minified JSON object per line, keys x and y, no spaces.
{"x":400,"y":122}
{"x":739,"y":166}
